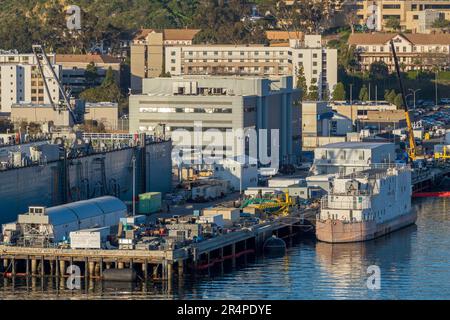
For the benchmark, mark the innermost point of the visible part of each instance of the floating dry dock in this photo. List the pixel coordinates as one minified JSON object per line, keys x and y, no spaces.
{"x":155,"y":264}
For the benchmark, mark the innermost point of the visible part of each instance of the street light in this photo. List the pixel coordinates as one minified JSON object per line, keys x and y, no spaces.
{"x":134,"y":185}
{"x":414,"y":93}
{"x":436,"y":82}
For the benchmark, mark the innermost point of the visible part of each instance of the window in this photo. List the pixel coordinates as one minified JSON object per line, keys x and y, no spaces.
{"x":300,"y":55}
{"x":315,"y":55}
{"x":173,"y":53}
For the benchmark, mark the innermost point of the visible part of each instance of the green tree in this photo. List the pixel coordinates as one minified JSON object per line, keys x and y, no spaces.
{"x":301,"y":82}
{"x":364,"y":94}
{"x":390,"y":96}
{"x":313,"y":92}
{"x":110,"y":79}
{"x":398,"y":101}
{"x":339,"y":92}
{"x":441,"y":23}
{"x":393,"y":23}
{"x":378,"y":71}
{"x":91,"y":75}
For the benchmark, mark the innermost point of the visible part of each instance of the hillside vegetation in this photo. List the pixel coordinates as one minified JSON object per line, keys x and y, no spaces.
{"x":25,"y":22}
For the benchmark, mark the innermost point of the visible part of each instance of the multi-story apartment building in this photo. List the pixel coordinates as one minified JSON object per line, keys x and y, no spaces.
{"x":410,"y":13}
{"x":74,"y":69}
{"x":220,"y":103}
{"x":415,"y":51}
{"x":147,"y":52}
{"x":21,"y":81}
{"x":281,"y":59}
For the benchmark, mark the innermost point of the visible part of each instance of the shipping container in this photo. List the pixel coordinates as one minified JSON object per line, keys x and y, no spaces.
{"x":230,"y":215}
{"x":136,"y":220}
{"x":89,"y":238}
{"x":217,"y":219}
{"x":150,"y":203}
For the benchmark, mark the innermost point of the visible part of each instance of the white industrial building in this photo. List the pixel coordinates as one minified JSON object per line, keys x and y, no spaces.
{"x":321,"y":125}
{"x":21,"y":82}
{"x":179,"y":106}
{"x":57,"y":223}
{"x":241,"y":172}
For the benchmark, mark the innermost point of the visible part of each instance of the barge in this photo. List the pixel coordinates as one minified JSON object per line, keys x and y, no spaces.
{"x":366,"y":205}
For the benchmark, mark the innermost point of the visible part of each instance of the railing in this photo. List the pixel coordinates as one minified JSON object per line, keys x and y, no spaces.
{"x":375,"y":171}
{"x":350,"y":203}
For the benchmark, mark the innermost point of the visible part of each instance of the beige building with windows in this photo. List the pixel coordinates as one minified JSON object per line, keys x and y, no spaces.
{"x":280,"y":59}
{"x":410,"y":13}
{"x":147,"y":52}
{"x":415,"y":51}
{"x":21,"y":81}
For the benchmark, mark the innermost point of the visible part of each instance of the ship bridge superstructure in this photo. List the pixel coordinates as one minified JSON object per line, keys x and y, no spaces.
{"x":373,"y":194}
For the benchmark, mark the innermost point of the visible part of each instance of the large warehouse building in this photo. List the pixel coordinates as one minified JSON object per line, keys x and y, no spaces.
{"x":56,"y":223}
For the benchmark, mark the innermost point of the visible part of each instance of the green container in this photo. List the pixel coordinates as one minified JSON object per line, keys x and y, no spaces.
{"x":150,"y":203}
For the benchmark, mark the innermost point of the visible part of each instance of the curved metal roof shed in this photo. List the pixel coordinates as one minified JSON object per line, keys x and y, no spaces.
{"x":98,"y":212}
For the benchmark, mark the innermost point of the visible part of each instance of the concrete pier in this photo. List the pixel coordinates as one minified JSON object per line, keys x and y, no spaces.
{"x":162,"y":265}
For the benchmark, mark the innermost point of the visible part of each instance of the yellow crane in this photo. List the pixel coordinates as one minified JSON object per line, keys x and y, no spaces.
{"x":444,"y":155}
{"x":412,"y":148}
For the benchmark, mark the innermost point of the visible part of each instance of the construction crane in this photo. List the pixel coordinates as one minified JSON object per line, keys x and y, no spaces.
{"x":412,"y":148}
{"x":42,"y":62}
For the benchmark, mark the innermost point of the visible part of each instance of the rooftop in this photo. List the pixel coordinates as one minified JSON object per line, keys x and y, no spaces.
{"x":85,"y":58}
{"x":414,"y":38}
{"x":354,"y":145}
{"x":169,"y":34}
{"x":284,"y":35}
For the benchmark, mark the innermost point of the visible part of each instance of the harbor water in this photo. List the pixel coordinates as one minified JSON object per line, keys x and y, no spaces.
{"x":414,"y":263}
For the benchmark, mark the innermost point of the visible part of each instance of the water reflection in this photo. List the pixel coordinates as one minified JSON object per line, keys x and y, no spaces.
{"x":414,"y":264}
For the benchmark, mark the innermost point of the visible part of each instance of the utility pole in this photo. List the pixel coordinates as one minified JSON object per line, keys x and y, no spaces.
{"x":134,"y":185}
{"x":351,"y":99}
{"x":436,"y":83}
{"x":376,"y":95}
